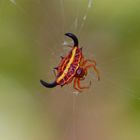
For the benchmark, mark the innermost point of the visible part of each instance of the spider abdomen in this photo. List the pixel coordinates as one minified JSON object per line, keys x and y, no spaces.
{"x":68,"y":66}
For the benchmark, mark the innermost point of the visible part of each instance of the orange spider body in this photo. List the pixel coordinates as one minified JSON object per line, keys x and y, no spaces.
{"x":72,"y":66}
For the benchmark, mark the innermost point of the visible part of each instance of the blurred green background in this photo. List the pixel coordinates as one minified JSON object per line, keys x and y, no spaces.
{"x":31,"y":38}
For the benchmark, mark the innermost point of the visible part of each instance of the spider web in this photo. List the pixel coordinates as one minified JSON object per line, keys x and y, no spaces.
{"x":117,"y":80}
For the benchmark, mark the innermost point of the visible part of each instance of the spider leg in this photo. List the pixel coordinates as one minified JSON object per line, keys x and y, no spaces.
{"x":82,"y":87}
{"x":88,"y":60}
{"x":74,"y":85}
{"x":94,"y":68}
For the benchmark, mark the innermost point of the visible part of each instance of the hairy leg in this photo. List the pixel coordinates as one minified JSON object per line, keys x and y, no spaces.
{"x":94,"y":68}
{"x":88,"y":60}
{"x":82,"y":87}
{"x":74,"y":85}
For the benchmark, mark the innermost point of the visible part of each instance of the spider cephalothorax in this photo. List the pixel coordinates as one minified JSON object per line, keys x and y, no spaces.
{"x":72,"y":66}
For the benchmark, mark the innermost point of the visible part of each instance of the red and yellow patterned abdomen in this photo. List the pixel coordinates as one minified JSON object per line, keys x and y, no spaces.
{"x":68,"y":66}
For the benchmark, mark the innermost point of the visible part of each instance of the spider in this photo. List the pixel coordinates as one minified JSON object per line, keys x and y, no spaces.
{"x":72,"y":67}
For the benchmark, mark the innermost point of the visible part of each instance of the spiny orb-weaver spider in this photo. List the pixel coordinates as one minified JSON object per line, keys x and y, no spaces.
{"x":73,"y":66}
